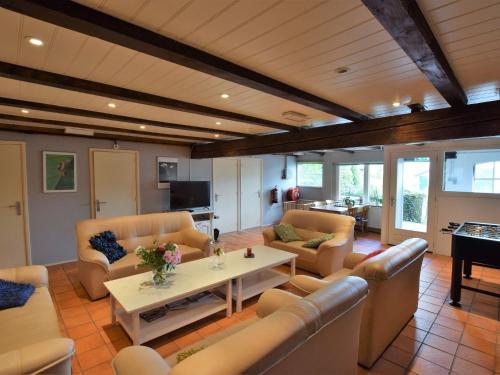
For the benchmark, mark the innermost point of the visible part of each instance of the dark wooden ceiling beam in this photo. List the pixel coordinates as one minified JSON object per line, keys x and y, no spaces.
{"x":41,"y":77}
{"x":35,"y":120}
{"x":82,"y":19}
{"x":477,"y":120}
{"x":108,"y":116}
{"x":404,"y":20}
{"x":30,"y":129}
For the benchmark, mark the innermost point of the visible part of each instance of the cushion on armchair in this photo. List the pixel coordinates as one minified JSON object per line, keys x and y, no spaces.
{"x":14,"y":294}
{"x":286,"y":233}
{"x":105,"y":242}
{"x":315,"y":242}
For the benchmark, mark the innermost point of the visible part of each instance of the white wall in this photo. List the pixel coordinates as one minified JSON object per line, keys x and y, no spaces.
{"x":448,"y":206}
{"x":329,"y":189}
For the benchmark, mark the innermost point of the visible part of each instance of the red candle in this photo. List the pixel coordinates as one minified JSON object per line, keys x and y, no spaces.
{"x":249,"y":251}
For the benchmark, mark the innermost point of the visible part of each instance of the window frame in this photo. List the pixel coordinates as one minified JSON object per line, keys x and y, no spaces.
{"x":493,"y":179}
{"x":311,"y":162}
{"x":461,"y":194}
{"x":366,"y":174}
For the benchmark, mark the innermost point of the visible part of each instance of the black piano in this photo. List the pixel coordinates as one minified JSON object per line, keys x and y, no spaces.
{"x":473,"y":244}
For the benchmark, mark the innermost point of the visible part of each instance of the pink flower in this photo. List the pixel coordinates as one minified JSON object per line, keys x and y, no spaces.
{"x":162,"y":247}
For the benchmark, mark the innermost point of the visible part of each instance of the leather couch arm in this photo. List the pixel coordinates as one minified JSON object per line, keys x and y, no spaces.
{"x":93,"y":256}
{"x":339,"y":239}
{"x":36,"y":275}
{"x":269,"y":235}
{"x":196,"y":239}
{"x":134,"y":360}
{"x":353,"y":259}
{"x":43,"y":356}
{"x":272,"y":300}
{"x":308,"y":284}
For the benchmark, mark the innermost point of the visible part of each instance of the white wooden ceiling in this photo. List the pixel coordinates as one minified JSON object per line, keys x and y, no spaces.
{"x":300,"y":42}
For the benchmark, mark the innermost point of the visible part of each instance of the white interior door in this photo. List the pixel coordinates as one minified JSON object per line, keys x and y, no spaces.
{"x":14,"y":239}
{"x":114,"y":180}
{"x":250,"y":193}
{"x":412,"y":196}
{"x":225,"y":187}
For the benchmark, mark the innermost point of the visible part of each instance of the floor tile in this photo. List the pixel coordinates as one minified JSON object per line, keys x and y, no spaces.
{"x":477,"y":357}
{"x":93,"y":357}
{"x":423,"y":367}
{"x":435,"y":356}
{"x":463,"y":367}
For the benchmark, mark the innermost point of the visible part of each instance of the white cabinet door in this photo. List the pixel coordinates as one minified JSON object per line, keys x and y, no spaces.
{"x":225,"y":186}
{"x":14,"y":241}
{"x":115,"y":188}
{"x":251,"y":193}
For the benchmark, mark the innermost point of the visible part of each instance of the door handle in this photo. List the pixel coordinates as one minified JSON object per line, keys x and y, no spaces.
{"x":216,"y":196}
{"x":393,"y":200}
{"x":258,"y":194}
{"x":98,"y":204}
{"x":17,"y":206}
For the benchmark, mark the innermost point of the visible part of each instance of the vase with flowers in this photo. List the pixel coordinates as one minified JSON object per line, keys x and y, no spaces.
{"x":161,"y":258}
{"x":218,"y":257}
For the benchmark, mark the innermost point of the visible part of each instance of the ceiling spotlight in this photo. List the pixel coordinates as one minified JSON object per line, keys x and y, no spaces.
{"x":342,"y":70}
{"x":111,"y":105}
{"x":143,"y":127}
{"x":35,"y":41}
{"x":218,"y":123}
{"x":25,"y":111}
{"x":224,"y":96}
{"x":216,"y":135}
{"x":396,"y":104}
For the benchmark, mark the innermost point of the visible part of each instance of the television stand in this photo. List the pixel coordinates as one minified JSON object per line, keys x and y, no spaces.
{"x":203,"y":221}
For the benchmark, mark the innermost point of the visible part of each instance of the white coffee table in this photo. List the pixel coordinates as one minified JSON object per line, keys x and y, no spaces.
{"x":134,"y":294}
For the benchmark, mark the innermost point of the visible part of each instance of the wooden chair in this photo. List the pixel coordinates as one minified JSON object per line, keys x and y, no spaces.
{"x":361,"y":218}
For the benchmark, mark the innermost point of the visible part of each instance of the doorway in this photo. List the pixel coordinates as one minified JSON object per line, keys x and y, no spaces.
{"x":225,"y":183}
{"x":14,"y":229}
{"x":412,"y":196}
{"x":250,"y":193}
{"x":114,"y":183}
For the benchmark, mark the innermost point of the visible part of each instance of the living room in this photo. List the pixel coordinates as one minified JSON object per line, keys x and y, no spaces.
{"x":228,"y":187}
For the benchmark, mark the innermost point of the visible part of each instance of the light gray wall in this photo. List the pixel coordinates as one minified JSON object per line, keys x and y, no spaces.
{"x":53,"y":215}
{"x":273,"y":165}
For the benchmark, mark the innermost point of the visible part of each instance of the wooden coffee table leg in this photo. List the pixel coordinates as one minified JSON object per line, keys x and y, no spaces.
{"x":239,"y":294}
{"x":136,"y":329}
{"x":292,"y":267}
{"x":229,"y":298}
{"x":113,"y":309}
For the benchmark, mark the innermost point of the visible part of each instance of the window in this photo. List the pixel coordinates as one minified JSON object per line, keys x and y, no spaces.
{"x":310,"y":174}
{"x":486,"y":177}
{"x":472,"y":171}
{"x":361,"y":181}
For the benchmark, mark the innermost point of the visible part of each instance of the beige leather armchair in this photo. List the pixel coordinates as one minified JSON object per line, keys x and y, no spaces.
{"x":393,"y":279}
{"x":328,"y":257}
{"x":30,"y":340}
{"x":291,"y":335}
{"x":132,"y":231}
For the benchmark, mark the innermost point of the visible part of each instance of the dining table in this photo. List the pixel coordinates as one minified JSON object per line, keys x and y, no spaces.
{"x":335,"y":209}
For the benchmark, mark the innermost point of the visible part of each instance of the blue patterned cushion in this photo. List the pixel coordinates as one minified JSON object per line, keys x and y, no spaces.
{"x":105,"y":242}
{"x":14,"y":294}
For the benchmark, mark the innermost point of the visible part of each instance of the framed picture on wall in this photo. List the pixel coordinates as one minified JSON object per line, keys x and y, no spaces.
{"x":59,"y":172}
{"x":166,"y":171}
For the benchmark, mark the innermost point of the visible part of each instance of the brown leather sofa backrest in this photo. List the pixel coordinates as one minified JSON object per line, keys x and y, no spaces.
{"x":135,"y":230}
{"x":318,"y":221}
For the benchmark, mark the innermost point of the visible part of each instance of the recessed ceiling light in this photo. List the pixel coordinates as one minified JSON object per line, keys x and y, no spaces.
{"x":25,"y":111}
{"x":218,"y":123}
{"x":111,"y":105}
{"x":224,"y":96}
{"x":342,"y":70}
{"x":396,"y":104}
{"x":216,"y":135}
{"x":143,"y":127}
{"x":35,"y":41}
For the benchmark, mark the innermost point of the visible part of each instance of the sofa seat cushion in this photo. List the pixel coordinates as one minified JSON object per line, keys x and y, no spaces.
{"x":126,"y":265}
{"x":338,"y":275}
{"x":307,"y":234}
{"x":34,"y":322}
{"x":213,"y":338}
{"x":131,"y":243}
{"x":190,"y":253}
{"x":296,"y":247}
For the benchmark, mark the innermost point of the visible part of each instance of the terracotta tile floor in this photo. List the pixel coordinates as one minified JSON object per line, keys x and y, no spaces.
{"x":438,"y":340}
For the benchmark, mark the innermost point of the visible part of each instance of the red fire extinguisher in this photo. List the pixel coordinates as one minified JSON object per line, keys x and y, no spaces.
{"x":274,"y":195}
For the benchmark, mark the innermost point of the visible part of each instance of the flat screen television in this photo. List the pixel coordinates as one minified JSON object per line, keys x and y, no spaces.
{"x":186,"y":195}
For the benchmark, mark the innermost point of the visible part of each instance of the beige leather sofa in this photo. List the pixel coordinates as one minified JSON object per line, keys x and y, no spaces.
{"x":132,"y":231}
{"x":393,"y":279}
{"x":30,"y":340}
{"x":291,"y":335}
{"x":328,"y":257}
